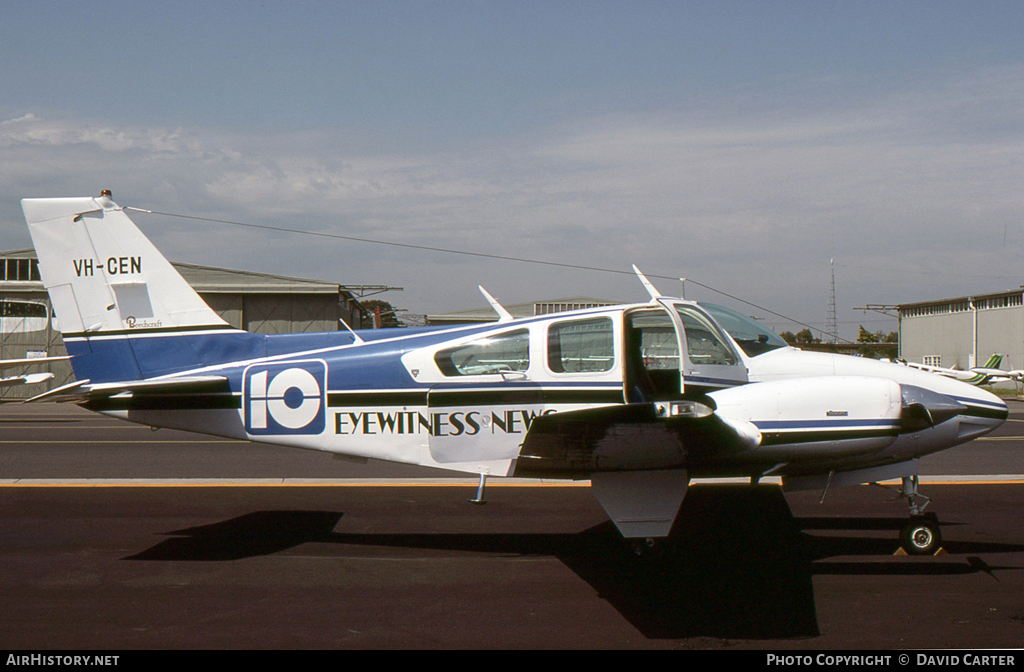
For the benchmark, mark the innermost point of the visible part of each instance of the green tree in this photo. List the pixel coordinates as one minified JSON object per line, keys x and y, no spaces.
{"x":866,"y":336}
{"x":805,"y":336}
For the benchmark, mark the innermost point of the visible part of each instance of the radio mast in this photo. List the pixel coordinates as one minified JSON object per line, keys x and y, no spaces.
{"x":832,"y":326}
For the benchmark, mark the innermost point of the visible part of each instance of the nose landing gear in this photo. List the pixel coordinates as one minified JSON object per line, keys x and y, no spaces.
{"x":921,"y":536}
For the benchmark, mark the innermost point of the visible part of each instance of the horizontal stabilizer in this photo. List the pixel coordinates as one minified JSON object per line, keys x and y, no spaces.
{"x":10,"y":363}
{"x":83,"y":391}
{"x":71,"y":392}
{"x":184,"y":384}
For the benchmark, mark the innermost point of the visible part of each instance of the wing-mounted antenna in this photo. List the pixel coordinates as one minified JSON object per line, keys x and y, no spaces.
{"x":503,"y":315}
{"x":651,"y":289}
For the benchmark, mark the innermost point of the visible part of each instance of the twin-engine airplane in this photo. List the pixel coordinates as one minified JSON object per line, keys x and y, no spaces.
{"x":638,"y":398}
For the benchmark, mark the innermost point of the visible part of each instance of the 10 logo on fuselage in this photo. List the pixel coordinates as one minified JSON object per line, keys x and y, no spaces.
{"x":286,"y":398}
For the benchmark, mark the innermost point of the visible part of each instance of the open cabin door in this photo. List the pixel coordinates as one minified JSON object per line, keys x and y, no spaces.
{"x":676,"y":349}
{"x":653,"y":368}
{"x":709,"y":361}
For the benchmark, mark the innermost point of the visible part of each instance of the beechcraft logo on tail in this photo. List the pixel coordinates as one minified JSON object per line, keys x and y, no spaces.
{"x":285,"y":398}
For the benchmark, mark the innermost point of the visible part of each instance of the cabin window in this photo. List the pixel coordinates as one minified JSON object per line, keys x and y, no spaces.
{"x":704,"y":345}
{"x":509,"y":351}
{"x":581,"y":346}
{"x":754,"y":338}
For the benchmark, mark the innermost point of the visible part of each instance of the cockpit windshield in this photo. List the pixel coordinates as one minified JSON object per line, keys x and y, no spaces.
{"x":754,"y":338}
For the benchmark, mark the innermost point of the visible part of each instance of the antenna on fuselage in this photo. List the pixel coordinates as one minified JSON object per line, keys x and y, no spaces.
{"x":351,"y":331}
{"x":651,"y":289}
{"x":503,"y":315}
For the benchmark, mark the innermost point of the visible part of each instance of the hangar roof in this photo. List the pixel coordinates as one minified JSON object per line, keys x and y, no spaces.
{"x":1008,"y":299}
{"x":519,"y":310}
{"x":205,"y":279}
{"x":225,"y":280}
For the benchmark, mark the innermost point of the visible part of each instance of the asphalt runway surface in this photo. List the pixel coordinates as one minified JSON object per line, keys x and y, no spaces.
{"x":113,"y":536}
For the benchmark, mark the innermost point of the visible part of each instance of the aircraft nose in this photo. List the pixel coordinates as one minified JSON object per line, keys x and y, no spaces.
{"x":985,"y":404}
{"x":985,"y":411}
{"x":923,"y":408}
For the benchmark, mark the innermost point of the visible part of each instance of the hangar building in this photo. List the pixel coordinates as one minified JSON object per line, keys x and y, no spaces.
{"x":965,"y":331}
{"x":257,"y":302}
{"x":483,"y":315}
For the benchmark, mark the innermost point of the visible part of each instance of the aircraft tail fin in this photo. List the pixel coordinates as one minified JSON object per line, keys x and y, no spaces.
{"x":108,"y":285}
{"x":103,"y":274}
{"x":994,"y":361}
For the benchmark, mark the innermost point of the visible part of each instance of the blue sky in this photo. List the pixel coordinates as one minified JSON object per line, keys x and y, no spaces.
{"x":741,"y":144}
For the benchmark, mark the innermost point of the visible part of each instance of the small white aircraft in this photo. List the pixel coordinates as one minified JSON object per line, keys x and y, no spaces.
{"x":27,"y":378}
{"x":976,"y":375}
{"x":637,"y":398}
{"x":18,"y":316}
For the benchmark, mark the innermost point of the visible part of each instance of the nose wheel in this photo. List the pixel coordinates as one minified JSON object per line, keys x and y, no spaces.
{"x":921,"y":536}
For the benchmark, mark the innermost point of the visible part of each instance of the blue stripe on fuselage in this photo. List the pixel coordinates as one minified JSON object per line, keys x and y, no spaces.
{"x":766,"y":425}
{"x":375,"y":363}
{"x":125,"y":358}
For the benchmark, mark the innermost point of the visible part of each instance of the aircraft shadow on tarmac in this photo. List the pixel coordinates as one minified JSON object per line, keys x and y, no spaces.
{"x":737,"y":565}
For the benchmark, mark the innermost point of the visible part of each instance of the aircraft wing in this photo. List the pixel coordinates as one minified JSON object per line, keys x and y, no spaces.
{"x":637,"y":459}
{"x":806,"y":420}
{"x":938,"y":370}
{"x":628,"y":437}
{"x":83,"y":391}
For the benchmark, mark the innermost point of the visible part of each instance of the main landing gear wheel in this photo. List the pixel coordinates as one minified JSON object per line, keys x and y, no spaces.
{"x":921,"y":536}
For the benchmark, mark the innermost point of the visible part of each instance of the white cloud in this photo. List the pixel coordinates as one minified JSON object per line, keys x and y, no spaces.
{"x":31,"y":130}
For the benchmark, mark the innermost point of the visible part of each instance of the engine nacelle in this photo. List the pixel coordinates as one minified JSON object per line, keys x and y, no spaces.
{"x":830,"y":416}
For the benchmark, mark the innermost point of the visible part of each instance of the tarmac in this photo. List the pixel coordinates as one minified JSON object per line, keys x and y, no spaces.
{"x":115,"y":537}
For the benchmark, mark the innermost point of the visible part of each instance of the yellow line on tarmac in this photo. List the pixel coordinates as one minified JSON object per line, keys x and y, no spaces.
{"x":397,"y":482}
{"x":278,"y":483}
{"x":966,"y":480}
{"x":973,"y":482}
